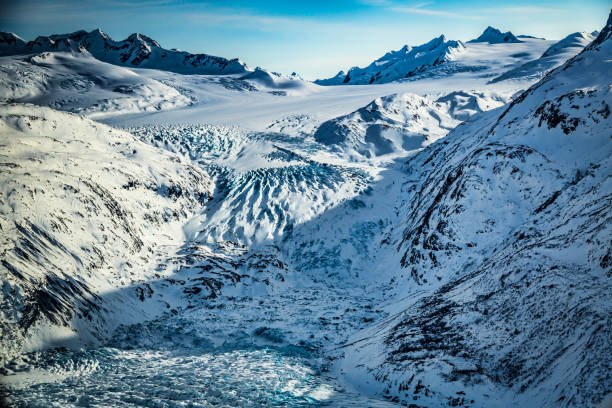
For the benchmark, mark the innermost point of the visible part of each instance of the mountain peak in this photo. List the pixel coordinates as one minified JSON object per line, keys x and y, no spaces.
{"x":137,"y":50}
{"x":10,"y":42}
{"x":98,"y":33}
{"x":73,"y":35}
{"x":137,"y":37}
{"x":493,"y":35}
{"x":403,"y":63}
{"x":10,"y":38}
{"x":604,"y":34}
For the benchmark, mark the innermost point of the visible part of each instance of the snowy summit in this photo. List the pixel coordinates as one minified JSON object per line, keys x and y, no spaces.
{"x":403,"y":63}
{"x":494,"y":36}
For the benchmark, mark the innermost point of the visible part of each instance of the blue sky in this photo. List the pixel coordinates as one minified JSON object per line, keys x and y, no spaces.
{"x":315,"y":38}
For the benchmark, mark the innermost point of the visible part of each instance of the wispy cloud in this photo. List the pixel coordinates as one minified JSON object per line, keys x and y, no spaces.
{"x":376,"y":3}
{"x":526,"y":10}
{"x":172,"y":10}
{"x":247,"y":19}
{"x":430,"y":9}
{"x":424,"y":9}
{"x":244,"y":19}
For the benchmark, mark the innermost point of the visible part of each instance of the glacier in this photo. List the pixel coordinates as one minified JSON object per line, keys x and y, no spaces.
{"x":203,"y":234}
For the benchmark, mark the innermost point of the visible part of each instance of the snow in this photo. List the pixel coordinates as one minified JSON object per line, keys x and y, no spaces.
{"x":403,"y":63}
{"x":442,"y":58}
{"x":526,"y":287}
{"x":137,"y":50}
{"x":402,"y":123}
{"x":254,"y":239}
{"x":82,"y":84}
{"x":554,"y":56}
{"x":494,"y":36}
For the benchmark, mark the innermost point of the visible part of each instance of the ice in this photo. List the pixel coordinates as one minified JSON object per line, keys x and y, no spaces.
{"x":254,"y":239}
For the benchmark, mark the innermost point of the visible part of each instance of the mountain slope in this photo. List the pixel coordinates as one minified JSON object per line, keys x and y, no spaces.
{"x":402,"y":63}
{"x":79,"y":83}
{"x":554,"y":56}
{"x":84,"y":208}
{"x":509,"y":216}
{"x":138,"y":51}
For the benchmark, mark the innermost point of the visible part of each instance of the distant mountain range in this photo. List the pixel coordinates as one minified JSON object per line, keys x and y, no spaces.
{"x":403,"y":63}
{"x":441,"y":56}
{"x":438,"y":57}
{"x":137,"y":51}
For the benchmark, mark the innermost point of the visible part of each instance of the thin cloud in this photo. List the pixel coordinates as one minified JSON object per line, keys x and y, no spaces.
{"x":420,"y":9}
{"x":263,"y":22}
{"x":376,"y":3}
{"x":243,"y":18}
{"x":523,"y":10}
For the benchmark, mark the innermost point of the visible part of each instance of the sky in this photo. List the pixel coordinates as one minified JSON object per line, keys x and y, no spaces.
{"x":315,"y":38}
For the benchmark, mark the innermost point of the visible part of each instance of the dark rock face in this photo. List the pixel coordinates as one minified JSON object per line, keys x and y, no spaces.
{"x":604,"y":34}
{"x":494,"y":36}
{"x":9,"y":42}
{"x":552,"y":113}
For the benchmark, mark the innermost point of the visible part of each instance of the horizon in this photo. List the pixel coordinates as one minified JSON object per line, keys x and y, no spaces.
{"x":430,"y":230}
{"x":314,"y":40}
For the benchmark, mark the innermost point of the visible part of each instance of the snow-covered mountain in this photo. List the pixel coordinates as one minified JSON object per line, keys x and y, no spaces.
{"x":403,"y":63}
{"x":512,"y":214}
{"x":335,"y":80}
{"x":554,"y":56}
{"x":444,"y":243}
{"x":10,"y":43}
{"x":84,"y":209}
{"x":137,"y":51}
{"x":274,"y":81}
{"x":494,"y":36}
{"x":79,"y":83}
{"x":401,"y":123}
{"x":443,"y":58}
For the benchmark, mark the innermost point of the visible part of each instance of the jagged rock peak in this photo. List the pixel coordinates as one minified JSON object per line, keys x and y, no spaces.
{"x":11,"y":39}
{"x":604,"y":34}
{"x":137,"y":37}
{"x":494,"y":36}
